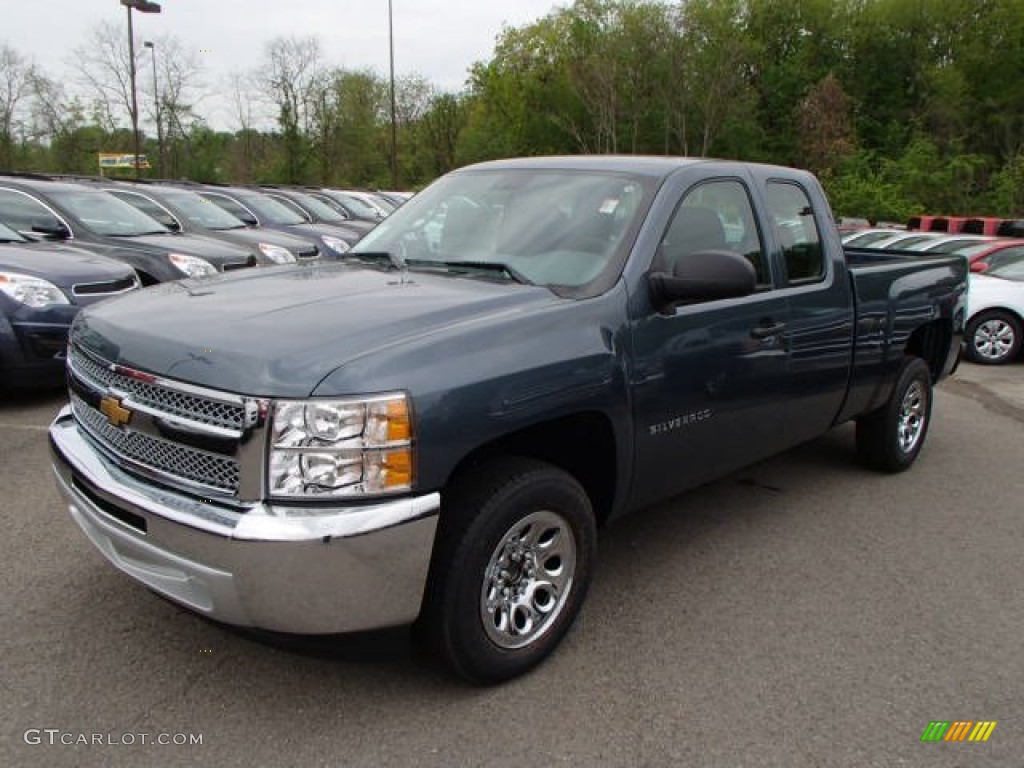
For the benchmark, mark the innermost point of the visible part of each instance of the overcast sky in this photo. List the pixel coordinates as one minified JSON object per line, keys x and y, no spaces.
{"x":438,"y":39}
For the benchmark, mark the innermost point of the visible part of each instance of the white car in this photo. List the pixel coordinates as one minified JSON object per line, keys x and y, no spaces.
{"x":949,"y":243}
{"x":995,"y":313}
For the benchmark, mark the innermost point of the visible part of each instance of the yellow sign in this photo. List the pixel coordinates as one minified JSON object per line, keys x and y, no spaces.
{"x":117,"y":160}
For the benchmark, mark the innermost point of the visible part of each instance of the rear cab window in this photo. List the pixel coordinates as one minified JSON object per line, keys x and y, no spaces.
{"x":796,"y":232}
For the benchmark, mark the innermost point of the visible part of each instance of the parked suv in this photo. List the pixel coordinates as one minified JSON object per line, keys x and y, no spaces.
{"x":38,"y":207}
{"x":42,"y":287}
{"x":183,"y":210}
{"x":257,"y":210}
{"x":316,"y":210}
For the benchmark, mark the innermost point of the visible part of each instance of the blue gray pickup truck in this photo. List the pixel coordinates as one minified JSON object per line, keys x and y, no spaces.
{"x":431,"y":431}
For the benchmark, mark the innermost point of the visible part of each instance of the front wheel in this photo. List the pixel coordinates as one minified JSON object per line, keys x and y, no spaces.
{"x":993,"y":337}
{"x":511,"y":568}
{"x":890,"y":437}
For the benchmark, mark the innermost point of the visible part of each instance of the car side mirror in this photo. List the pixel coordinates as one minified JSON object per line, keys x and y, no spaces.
{"x":51,"y":228}
{"x":703,"y":276}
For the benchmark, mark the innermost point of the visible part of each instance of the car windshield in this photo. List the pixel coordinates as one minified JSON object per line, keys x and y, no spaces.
{"x":552,"y":228}
{"x":972,"y":250}
{"x":360,"y":208}
{"x":1007,"y":266}
{"x":203,"y":212}
{"x":8,"y":235}
{"x":321,"y":211}
{"x":104,"y":214}
{"x":272,"y":211}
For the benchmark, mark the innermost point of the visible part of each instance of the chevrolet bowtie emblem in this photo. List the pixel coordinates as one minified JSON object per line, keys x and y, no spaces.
{"x":116,"y":414}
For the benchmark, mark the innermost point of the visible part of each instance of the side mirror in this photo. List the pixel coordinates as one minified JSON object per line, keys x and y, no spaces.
{"x":704,"y":276}
{"x":247,"y":218}
{"x":51,"y":228}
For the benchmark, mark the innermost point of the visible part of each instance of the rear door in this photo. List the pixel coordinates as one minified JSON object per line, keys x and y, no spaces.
{"x":816,"y":288}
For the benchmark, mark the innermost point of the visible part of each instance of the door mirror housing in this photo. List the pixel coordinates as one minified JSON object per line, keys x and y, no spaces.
{"x":703,"y":276}
{"x":51,"y":228}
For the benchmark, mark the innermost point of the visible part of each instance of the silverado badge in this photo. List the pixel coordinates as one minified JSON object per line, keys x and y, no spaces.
{"x":116,"y":414}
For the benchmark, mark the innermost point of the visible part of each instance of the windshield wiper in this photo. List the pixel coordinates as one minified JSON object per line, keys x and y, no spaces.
{"x":467,"y":267}
{"x":385,"y":258}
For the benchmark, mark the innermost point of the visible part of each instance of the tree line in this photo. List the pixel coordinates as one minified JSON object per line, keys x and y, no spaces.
{"x":900,"y":106}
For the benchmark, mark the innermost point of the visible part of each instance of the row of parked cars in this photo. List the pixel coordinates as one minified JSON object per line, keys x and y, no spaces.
{"x":995,"y":297}
{"x":66,"y":242}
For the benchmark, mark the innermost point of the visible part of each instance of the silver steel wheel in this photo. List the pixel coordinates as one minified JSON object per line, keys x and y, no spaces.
{"x":913,"y":413}
{"x":528,"y":579}
{"x":994,"y":339}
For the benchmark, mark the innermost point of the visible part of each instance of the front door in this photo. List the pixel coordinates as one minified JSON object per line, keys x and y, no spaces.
{"x":709,"y":379}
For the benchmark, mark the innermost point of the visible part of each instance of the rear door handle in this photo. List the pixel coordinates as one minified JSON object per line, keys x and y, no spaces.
{"x":767,"y":331}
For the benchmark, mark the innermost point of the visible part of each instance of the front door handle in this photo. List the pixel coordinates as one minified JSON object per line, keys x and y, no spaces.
{"x":767,"y":331}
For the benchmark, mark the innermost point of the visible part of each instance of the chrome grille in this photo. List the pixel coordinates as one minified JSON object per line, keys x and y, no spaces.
{"x":190,"y":464}
{"x":201,"y":409}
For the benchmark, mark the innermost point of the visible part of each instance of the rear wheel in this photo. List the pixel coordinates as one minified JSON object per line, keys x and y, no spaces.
{"x":993,"y":337}
{"x":511,"y":568}
{"x":891,"y":437}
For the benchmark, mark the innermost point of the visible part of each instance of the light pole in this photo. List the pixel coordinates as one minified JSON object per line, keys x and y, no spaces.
{"x":142,"y":6}
{"x":394,"y":128}
{"x":159,"y":123}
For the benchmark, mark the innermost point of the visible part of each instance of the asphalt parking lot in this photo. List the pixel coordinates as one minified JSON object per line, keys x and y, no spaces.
{"x":804,"y":612}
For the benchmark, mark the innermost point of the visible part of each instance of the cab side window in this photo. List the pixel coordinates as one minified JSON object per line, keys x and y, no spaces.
{"x":796,"y":232}
{"x":714,"y":216}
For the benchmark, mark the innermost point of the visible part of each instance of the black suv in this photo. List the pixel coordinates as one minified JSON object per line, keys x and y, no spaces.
{"x":317,"y":210}
{"x":42,"y":287}
{"x":256,"y":209}
{"x":183,"y":210}
{"x":39,"y":207}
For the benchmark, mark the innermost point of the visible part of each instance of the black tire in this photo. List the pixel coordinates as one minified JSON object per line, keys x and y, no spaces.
{"x":473,"y":559}
{"x":993,"y":337}
{"x":890,"y":437}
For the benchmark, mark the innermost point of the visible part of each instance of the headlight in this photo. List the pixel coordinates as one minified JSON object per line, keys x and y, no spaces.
{"x":31,"y":291}
{"x":336,"y":244}
{"x":328,"y":448}
{"x":276,"y":253}
{"x":192,"y":266}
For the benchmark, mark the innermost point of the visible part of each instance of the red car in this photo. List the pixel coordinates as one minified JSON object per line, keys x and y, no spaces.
{"x":991,"y":252}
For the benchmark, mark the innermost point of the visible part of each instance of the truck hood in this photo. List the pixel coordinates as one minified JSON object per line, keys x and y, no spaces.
{"x":279,"y":331}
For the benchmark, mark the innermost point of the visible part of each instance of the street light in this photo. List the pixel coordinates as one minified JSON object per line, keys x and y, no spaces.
{"x":159,"y":123}
{"x":394,"y":129}
{"x":142,"y":6}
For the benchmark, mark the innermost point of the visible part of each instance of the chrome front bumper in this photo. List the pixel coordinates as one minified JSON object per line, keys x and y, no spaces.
{"x":285,"y":569}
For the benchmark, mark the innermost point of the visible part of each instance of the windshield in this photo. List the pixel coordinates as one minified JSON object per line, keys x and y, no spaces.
{"x":359,"y":208}
{"x":8,"y":235}
{"x":972,"y":250}
{"x":203,"y":212}
{"x":321,"y":211}
{"x":104,"y":214}
{"x":1009,"y":266}
{"x":553,"y":228}
{"x":271,"y":210}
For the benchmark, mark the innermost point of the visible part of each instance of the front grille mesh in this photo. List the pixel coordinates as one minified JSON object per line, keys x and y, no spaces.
{"x":200,"y":409}
{"x":178,"y":460}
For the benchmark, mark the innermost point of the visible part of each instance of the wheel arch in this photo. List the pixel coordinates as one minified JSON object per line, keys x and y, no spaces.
{"x":582,"y":444}
{"x":931,"y":342}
